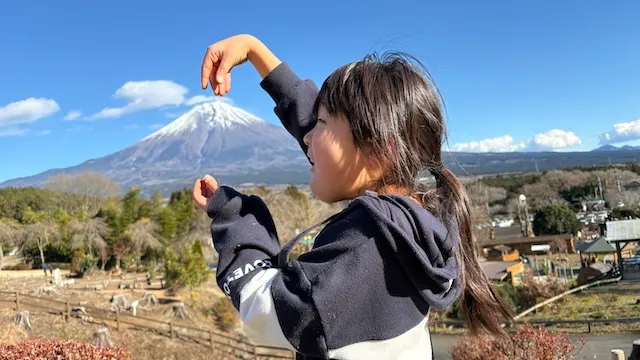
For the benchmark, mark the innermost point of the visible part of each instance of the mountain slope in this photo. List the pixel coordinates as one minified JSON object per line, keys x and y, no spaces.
{"x":215,"y":138}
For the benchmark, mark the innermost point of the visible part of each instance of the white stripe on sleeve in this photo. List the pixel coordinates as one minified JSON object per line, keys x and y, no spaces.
{"x":258,"y":312}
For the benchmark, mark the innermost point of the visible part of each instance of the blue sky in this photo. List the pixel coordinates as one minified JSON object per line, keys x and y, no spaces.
{"x":514,"y":75}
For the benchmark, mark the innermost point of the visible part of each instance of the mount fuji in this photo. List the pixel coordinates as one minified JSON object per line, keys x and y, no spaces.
{"x":238,"y":147}
{"x":217,"y":138}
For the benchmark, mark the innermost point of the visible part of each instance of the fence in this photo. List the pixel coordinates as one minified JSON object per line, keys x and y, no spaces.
{"x":215,"y":339}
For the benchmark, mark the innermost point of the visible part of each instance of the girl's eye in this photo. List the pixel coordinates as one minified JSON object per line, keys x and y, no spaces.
{"x":321,"y":121}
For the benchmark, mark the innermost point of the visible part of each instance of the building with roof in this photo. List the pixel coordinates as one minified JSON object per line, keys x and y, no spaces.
{"x":503,"y":271}
{"x":623,"y":234}
{"x":632,"y":186}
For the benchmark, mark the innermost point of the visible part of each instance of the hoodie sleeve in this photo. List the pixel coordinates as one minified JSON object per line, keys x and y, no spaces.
{"x":294,"y":98}
{"x":276,"y":304}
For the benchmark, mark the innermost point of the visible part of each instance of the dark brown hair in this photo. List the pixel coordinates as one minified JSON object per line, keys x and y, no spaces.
{"x":396,"y":115}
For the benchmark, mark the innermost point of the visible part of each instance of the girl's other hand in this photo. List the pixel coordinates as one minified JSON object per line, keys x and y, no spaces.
{"x":220,"y":58}
{"x":203,"y":190}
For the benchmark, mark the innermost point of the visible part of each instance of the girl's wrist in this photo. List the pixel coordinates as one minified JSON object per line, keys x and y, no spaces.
{"x":261,"y":57}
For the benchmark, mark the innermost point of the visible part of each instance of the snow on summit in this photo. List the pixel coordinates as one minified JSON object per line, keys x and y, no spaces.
{"x":208,"y":116}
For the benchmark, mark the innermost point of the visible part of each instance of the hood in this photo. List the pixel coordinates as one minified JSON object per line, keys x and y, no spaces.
{"x":422,"y":244}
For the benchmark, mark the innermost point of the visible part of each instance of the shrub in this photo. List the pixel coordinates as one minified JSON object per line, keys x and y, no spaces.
{"x":533,"y":292}
{"x":187,"y":270}
{"x":528,"y":343}
{"x":225,"y":313}
{"x":58,"y":349}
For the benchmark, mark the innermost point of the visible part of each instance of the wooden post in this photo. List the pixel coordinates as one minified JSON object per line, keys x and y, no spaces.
{"x":17,"y":301}
{"x":617,"y":354}
{"x":589,"y":327}
{"x":173,"y":334}
{"x":117,"y":319}
{"x":68,"y":310}
{"x":635,"y":353}
{"x":211,"y":340}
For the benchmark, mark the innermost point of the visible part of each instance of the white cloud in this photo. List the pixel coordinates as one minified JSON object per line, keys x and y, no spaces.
{"x":12,"y":132}
{"x":131,"y":126}
{"x":77,"y":128}
{"x":498,"y":144}
{"x":27,"y":111}
{"x":43,"y":132}
{"x":155,"y":126}
{"x":145,"y":95}
{"x":171,"y":115}
{"x":622,"y":132}
{"x":72,"y":115}
{"x":554,"y":139}
{"x":198,"y":99}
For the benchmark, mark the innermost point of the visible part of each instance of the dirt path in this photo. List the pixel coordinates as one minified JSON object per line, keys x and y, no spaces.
{"x":28,"y":274}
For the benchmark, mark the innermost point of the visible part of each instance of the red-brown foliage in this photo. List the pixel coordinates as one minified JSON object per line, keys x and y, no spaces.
{"x":58,"y":349}
{"x":529,"y":343}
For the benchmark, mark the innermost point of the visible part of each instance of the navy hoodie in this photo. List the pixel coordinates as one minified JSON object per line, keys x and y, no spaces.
{"x":365,"y":289}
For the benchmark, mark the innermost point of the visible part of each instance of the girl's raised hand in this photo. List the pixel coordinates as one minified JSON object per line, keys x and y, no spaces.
{"x":203,"y":190}
{"x":220,"y":58}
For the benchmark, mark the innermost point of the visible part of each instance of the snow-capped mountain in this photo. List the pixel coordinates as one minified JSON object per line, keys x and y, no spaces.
{"x":238,"y":147}
{"x":216,"y":138}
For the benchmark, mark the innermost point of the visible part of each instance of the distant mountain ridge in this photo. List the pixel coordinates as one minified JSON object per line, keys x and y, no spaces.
{"x":237,"y":147}
{"x":610,"y":147}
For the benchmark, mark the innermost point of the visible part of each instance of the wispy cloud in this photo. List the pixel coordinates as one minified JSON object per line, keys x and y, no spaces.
{"x":27,"y":111}
{"x":72,"y":115}
{"x":77,"y":128}
{"x":198,"y":99}
{"x":152,"y":94}
{"x":44,"y":132}
{"x":144,"y":95}
{"x":13,"y":132}
{"x":554,"y":139}
{"x":131,"y":126}
{"x":622,"y":132}
{"x":504,"y":143}
{"x":155,"y":126}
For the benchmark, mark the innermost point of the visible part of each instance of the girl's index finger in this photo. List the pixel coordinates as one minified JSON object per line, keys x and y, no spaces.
{"x":210,"y":58}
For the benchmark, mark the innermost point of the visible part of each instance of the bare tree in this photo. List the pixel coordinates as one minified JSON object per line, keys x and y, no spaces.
{"x":541,"y":194}
{"x":144,"y":234}
{"x":91,"y":233}
{"x":199,"y":229}
{"x":9,"y":233}
{"x":90,"y":185}
{"x":481,"y":195}
{"x":41,"y":234}
{"x":612,"y":182}
{"x":293,"y":214}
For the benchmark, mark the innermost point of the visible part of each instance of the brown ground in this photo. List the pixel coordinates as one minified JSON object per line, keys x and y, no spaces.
{"x":142,"y":344}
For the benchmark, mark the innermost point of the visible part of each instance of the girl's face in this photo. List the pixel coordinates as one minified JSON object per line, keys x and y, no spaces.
{"x":340,"y":171}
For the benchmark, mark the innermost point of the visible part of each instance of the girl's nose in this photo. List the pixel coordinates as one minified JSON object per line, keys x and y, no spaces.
{"x":307,"y":137}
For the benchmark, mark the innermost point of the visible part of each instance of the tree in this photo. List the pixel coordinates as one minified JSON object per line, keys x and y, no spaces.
{"x":131,"y":207}
{"x":9,"y":233}
{"x":189,"y":269}
{"x":294,"y":211}
{"x":143,"y":235}
{"x":90,"y":185}
{"x":168,"y":224}
{"x":554,"y":220}
{"x":181,"y":203}
{"x":91,"y":233}
{"x":40,"y":234}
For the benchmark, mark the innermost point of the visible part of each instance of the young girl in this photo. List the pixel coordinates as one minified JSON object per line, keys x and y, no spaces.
{"x":398,"y":249}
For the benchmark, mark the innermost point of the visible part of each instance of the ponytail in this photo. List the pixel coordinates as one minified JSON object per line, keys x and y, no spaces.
{"x":483,"y":307}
